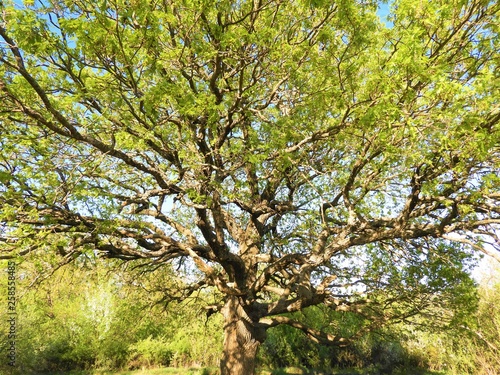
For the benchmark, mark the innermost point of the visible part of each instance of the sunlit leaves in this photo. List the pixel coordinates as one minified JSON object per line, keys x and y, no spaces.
{"x":268,"y":141}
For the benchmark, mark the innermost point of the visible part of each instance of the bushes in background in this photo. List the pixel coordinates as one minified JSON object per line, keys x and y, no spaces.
{"x":470,"y":345}
{"x":89,"y":317}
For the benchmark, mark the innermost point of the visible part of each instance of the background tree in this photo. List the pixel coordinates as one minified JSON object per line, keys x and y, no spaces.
{"x":90,"y":316}
{"x":289,"y":154}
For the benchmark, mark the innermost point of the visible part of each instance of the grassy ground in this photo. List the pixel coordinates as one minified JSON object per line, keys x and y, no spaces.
{"x":159,"y":371}
{"x":214,"y":371}
{"x":372,"y":371}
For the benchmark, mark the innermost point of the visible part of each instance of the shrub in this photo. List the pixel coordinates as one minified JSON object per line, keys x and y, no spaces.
{"x":149,"y":352}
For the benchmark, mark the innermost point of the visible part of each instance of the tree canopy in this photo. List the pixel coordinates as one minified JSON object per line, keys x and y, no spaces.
{"x":286,"y":153}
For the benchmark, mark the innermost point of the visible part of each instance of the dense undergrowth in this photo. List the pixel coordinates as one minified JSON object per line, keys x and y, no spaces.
{"x":91,"y":318}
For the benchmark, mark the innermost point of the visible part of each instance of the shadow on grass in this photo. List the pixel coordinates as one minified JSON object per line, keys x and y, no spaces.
{"x":352,"y":371}
{"x":281,"y":371}
{"x":157,"y":371}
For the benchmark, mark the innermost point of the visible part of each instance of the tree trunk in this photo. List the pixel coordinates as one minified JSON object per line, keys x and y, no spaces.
{"x":241,"y":340}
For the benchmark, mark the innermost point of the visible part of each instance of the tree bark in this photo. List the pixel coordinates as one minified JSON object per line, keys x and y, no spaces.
{"x":241,"y":340}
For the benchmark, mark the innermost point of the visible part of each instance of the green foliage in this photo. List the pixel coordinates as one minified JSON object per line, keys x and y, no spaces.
{"x":87,"y":317}
{"x":416,"y":344}
{"x":105,"y":323}
{"x":270,"y":156}
{"x":148,"y":352}
{"x":472,"y":347}
{"x":486,"y":334}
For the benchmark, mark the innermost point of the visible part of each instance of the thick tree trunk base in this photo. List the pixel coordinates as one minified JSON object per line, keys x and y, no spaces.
{"x":240,"y":343}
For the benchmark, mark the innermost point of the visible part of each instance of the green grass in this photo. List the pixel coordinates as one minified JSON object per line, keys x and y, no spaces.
{"x":212,"y":371}
{"x":352,"y":371}
{"x":158,"y":371}
{"x":161,"y":371}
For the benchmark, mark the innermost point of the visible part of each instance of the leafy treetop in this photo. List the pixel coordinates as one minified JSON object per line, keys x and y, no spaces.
{"x":296,"y":152}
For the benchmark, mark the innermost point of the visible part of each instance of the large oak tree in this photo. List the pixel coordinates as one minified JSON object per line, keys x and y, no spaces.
{"x":287,"y":153}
